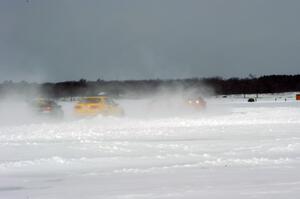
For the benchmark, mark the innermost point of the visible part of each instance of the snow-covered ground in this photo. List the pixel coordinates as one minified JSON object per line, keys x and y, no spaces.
{"x":234,"y":149}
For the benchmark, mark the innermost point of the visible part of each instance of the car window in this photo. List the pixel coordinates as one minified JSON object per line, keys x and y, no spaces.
{"x":90,"y":100}
{"x":43,"y":103}
{"x":110,"y":101}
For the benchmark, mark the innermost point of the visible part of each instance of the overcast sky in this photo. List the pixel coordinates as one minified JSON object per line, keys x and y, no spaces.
{"x":55,"y":40}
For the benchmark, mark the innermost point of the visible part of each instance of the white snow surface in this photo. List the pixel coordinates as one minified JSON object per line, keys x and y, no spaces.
{"x":234,"y":149}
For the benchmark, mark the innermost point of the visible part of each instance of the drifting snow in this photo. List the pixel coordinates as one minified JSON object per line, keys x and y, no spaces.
{"x":233,"y":149}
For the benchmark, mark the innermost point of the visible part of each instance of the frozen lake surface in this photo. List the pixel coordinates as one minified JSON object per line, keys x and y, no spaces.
{"x":234,"y":149}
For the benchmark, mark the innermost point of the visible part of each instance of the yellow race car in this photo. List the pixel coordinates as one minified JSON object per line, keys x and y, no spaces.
{"x":97,"y":105}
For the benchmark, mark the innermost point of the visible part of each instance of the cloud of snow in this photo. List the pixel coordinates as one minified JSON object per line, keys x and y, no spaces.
{"x":167,"y":102}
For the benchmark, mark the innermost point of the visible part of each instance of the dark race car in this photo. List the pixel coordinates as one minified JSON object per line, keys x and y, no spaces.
{"x":197,"y":103}
{"x":47,"y":108}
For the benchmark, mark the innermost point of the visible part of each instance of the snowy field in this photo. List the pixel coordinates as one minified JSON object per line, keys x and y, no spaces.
{"x":234,"y":149}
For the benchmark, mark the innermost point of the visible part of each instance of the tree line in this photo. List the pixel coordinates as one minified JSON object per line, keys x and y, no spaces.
{"x":216,"y":85}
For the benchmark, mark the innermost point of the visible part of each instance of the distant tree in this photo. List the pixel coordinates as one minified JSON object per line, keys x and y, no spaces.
{"x":249,"y":85}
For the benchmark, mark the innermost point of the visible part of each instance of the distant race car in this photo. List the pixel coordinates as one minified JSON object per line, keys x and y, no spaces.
{"x":197,"y":103}
{"x":97,"y":105}
{"x":251,"y":100}
{"x":46,"y":107}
